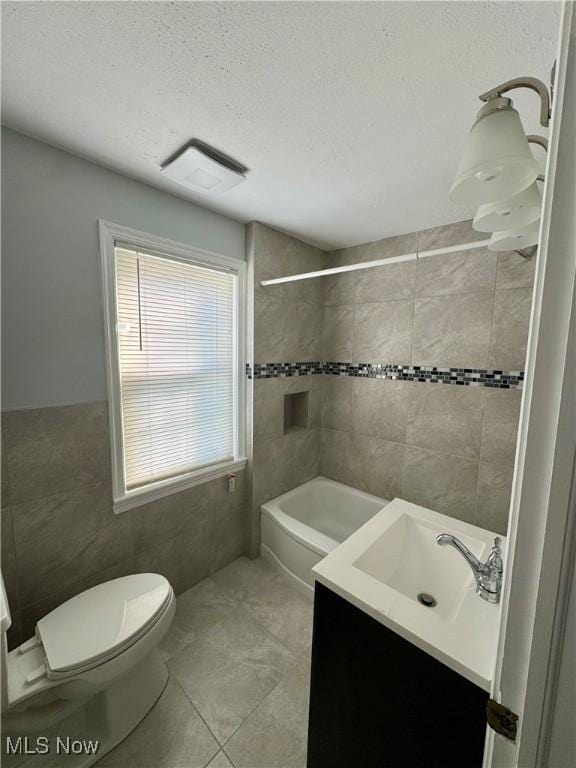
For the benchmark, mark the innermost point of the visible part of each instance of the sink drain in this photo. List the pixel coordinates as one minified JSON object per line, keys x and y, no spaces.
{"x":426,"y":600}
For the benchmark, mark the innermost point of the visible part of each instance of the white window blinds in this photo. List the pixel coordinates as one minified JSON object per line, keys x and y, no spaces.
{"x":177,"y":365}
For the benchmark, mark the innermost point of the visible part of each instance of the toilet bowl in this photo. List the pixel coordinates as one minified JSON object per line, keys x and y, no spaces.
{"x":92,"y":670}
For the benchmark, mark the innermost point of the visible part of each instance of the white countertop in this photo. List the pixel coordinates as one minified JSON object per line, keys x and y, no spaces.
{"x":462,"y":631}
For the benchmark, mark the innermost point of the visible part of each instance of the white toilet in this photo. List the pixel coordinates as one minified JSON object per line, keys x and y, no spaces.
{"x":92,"y":670}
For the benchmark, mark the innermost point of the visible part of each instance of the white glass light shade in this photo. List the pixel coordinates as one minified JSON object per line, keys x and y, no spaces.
{"x":514,"y":213}
{"x":512,"y":239}
{"x":497,"y":162}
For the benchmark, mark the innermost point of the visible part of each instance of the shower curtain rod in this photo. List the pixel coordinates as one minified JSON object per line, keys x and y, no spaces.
{"x":378,"y":262}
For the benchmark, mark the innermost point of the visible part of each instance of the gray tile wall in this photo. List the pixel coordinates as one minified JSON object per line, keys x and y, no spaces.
{"x":446,"y":447}
{"x":288,"y":327}
{"x":288,"y":318}
{"x":60,"y":535}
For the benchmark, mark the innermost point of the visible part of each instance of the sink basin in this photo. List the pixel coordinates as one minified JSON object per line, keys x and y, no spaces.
{"x":407,"y":559}
{"x":393,"y":559}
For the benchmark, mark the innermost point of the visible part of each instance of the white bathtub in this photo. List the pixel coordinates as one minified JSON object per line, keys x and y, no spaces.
{"x":302,"y":526}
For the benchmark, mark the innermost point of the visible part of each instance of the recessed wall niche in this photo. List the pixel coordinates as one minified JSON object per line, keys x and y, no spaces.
{"x":296,"y":411}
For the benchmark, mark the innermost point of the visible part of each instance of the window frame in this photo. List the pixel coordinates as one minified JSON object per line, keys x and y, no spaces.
{"x":112,"y":235}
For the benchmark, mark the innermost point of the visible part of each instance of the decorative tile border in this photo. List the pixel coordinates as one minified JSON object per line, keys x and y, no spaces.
{"x":469,"y":377}
{"x":466,"y":377}
{"x":283,"y":370}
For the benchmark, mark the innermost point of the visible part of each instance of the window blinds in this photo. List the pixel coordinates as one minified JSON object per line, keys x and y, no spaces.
{"x":177,"y":351}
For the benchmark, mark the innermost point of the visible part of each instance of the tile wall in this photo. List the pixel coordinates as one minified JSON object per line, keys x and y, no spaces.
{"x":447,"y":447}
{"x":60,"y":534}
{"x":288,"y":323}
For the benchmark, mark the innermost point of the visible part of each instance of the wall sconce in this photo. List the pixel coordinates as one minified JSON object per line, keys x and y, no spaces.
{"x":515,"y":239}
{"x":498,"y":171}
{"x":516,"y":212}
{"x":497,"y":162}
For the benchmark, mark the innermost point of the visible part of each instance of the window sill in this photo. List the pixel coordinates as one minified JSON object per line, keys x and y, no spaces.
{"x":164,"y":488}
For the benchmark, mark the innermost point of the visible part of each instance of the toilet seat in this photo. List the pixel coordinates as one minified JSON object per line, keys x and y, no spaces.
{"x":101,"y":623}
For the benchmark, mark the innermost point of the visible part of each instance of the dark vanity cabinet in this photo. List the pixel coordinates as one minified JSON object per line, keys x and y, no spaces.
{"x":377,"y":701}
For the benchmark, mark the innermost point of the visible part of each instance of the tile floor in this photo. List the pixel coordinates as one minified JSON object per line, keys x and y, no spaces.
{"x":238,"y":653}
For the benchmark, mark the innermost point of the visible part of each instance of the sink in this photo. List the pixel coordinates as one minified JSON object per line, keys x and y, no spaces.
{"x":393,"y":559}
{"x":407,"y":559}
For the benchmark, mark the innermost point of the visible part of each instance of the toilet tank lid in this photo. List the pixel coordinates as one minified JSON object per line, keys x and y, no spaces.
{"x":109,"y":617}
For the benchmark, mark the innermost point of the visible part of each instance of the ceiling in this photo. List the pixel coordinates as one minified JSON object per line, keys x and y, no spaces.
{"x":350,"y":116}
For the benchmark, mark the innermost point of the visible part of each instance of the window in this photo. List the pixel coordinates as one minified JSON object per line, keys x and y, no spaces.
{"x":175,"y":355}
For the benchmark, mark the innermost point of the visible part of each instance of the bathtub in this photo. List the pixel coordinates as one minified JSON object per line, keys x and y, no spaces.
{"x":302,"y":526}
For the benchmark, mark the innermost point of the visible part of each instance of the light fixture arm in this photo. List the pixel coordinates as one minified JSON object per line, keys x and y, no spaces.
{"x":524,"y":82}
{"x":534,"y":138}
{"x":542,"y":141}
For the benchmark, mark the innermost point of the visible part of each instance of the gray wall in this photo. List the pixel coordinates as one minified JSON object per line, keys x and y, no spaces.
{"x":288,"y":323}
{"x":52,"y":329}
{"x":288,"y":318}
{"x":447,"y":447}
{"x":450,"y":448}
{"x":59,"y":533}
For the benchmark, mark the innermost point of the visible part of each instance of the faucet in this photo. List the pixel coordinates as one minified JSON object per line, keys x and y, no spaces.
{"x":488,"y":575}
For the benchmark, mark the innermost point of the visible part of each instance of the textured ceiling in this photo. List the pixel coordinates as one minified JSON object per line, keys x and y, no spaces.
{"x":351,"y":116}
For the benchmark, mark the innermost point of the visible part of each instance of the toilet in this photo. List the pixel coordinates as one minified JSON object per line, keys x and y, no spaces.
{"x":92,"y":670}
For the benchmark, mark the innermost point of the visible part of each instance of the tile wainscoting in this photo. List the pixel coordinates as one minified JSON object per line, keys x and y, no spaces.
{"x":460,"y":320}
{"x":450,"y":448}
{"x":461,"y":310}
{"x":447,"y":448}
{"x":288,"y":326}
{"x":376,"y":427}
{"x":60,"y":535}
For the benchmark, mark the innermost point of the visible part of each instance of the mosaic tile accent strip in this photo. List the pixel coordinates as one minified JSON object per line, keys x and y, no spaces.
{"x":464,"y":377}
{"x":283,"y":370}
{"x":470,"y":377}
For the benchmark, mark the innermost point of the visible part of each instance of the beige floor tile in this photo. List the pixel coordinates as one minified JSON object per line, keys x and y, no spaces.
{"x":243,"y":577}
{"x":275,"y":735}
{"x":220,"y":761}
{"x":172,"y":735}
{"x":229,"y":669}
{"x":197,"y":610}
{"x":270,"y":599}
{"x":284,"y":612}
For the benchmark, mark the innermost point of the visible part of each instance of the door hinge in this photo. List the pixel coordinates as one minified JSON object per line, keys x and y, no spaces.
{"x":502,"y":720}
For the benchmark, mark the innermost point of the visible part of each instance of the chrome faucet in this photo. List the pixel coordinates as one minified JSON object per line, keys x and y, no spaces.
{"x":488,"y":575}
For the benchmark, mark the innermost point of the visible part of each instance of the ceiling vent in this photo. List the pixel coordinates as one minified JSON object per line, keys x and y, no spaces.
{"x":202,"y":168}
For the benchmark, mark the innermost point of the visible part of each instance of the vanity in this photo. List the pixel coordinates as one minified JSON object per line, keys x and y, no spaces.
{"x":403,"y":647}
